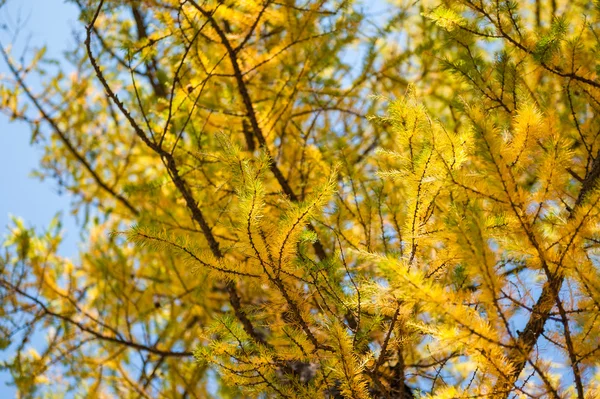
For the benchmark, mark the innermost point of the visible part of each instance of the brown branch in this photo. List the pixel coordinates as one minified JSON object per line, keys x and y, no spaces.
{"x":570,"y":349}
{"x":239,"y":76}
{"x":550,"y":295}
{"x":179,"y":182}
{"x":64,"y":138}
{"x":550,"y":68}
{"x":151,"y":65}
{"x":84,"y":328}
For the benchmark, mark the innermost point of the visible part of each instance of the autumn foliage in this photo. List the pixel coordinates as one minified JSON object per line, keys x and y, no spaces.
{"x":313,"y":199}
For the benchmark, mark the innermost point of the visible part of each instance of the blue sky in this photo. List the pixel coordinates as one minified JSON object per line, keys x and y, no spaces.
{"x":43,"y":22}
{"x":47,"y":22}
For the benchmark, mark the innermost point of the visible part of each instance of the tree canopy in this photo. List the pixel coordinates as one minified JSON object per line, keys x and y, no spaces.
{"x":312,"y":199}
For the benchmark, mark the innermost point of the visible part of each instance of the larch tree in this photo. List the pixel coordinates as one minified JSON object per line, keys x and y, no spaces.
{"x":312,"y":199}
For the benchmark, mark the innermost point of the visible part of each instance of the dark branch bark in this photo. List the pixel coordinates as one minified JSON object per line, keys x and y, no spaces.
{"x":541,"y":311}
{"x":89,"y":330}
{"x":179,"y":182}
{"x":64,"y":138}
{"x":152,"y":64}
{"x":257,"y":131}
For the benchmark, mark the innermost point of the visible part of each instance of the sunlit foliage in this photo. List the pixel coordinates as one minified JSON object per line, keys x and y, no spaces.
{"x":313,"y":199}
